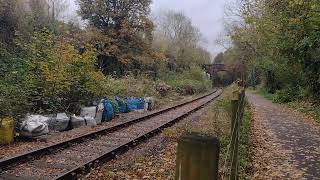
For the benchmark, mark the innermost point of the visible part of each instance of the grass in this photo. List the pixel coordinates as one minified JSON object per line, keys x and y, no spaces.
{"x":307,"y":108}
{"x":263,"y":92}
{"x":245,"y":142}
{"x":303,"y":106}
{"x":217,"y":123}
{"x":222,"y":114}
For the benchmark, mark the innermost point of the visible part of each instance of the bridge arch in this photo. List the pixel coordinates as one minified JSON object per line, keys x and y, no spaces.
{"x":213,"y":70}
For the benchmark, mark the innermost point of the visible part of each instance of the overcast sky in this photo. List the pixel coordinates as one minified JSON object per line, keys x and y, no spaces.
{"x":207,"y":15}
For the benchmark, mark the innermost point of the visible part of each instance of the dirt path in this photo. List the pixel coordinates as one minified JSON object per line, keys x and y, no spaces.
{"x":285,"y":144}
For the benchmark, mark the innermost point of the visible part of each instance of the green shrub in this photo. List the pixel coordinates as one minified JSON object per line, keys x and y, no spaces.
{"x":13,"y":84}
{"x":263,"y":92}
{"x":285,"y":95}
{"x":189,"y":81}
{"x":129,"y":86}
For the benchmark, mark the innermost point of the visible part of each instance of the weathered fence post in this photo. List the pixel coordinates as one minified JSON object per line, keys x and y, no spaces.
{"x":197,"y":158}
{"x":237,"y":104}
{"x":234,"y":145}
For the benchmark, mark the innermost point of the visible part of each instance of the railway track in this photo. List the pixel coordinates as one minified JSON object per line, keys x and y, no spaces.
{"x":69,"y":159}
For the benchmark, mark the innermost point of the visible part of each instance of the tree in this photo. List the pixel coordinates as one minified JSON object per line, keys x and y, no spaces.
{"x":219,"y":58}
{"x":279,"y":39}
{"x":10,"y":21}
{"x":123,"y":32}
{"x":180,"y":40}
{"x":57,"y":8}
{"x":179,"y":28}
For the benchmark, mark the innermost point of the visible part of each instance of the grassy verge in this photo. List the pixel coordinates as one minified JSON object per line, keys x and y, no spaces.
{"x":221,"y":113}
{"x":303,"y":106}
{"x":308,"y":108}
{"x":265,"y":93}
{"x":217,"y":123}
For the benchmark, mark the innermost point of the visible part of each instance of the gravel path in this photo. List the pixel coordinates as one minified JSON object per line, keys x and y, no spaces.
{"x":285,"y":144}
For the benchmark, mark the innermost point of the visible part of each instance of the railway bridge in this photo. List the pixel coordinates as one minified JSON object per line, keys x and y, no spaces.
{"x":213,"y":69}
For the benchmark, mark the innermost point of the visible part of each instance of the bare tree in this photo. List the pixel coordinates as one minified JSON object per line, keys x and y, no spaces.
{"x":181,"y":39}
{"x":57,"y":8}
{"x":179,"y":29}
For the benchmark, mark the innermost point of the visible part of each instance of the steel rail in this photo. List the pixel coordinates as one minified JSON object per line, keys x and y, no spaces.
{"x":85,"y":167}
{"x":6,"y":163}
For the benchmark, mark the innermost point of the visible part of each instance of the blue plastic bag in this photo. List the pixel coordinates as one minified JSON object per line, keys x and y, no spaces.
{"x":108,"y":112}
{"x":135,"y":103}
{"x":123,"y":105}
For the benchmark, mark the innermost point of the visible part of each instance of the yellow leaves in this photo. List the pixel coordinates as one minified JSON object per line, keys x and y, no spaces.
{"x":60,"y":65}
{"x":293,"y":3}
{"x":295,"y":21}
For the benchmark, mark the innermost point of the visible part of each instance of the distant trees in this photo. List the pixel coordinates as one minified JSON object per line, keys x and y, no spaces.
{"x":219,"y":58}
{"x":22,"y":18}
{"x":278,"y":40}
{"x":9,"y":21}
{"x":57,"y":8}
{"x":180,"y":40}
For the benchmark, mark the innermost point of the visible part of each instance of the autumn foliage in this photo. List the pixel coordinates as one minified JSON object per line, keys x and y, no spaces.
{"x":49,"y":66}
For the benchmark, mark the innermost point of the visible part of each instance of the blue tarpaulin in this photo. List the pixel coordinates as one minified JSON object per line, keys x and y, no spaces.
{"x":123,"y":105}
{"x":108,"y":112}
{"x":135,"y":103}
{"x":120,"y":105}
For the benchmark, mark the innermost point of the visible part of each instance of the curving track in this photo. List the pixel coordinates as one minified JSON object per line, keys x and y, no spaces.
{"x":69,"y":159}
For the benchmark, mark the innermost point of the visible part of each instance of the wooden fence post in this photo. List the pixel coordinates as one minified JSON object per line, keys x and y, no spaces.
{"x":197,"y":158}
{"x":237,"y":104}
{"x":234,"y":145}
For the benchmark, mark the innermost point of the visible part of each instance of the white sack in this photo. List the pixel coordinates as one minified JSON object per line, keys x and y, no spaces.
{"x":60,"y":122}
{"x":88,"y":111}
{"x":90,"y":121}
{"x":77,"y":122}
{"x":99,"y":113}
{"x":35,"y":125}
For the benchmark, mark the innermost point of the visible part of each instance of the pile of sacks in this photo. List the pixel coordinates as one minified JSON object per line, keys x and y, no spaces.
{"x":37,"y":125}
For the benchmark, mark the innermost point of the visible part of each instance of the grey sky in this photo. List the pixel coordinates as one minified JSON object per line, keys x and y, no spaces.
{"x":207,"y":15}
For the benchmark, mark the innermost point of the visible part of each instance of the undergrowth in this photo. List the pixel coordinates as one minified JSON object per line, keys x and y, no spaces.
{"x":221,"y":113}
{"x":188,"y":82}
{"x":290,"y":98}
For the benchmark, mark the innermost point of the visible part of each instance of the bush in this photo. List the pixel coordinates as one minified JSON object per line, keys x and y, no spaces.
{"x":189,"y":81}
{"x":13,"y":84}
{"x":285,"y":95}
{"x":129,"y":86}
{"x":163,"y":89}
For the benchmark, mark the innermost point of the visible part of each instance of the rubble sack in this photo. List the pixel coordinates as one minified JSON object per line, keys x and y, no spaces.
{"x":34,"y":125}
{"x":108,"y":110}
{"x":77,"y":122}
{"x":88,"y":111}
{"x":90,"y":121}
{"x":149,"y":103}
{"x":59,"y":123}
{"x":6,"y":130}
{"x":99,"y":113}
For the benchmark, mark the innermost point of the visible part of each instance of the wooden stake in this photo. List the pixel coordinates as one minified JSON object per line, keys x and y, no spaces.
{"x":197,"y":158}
